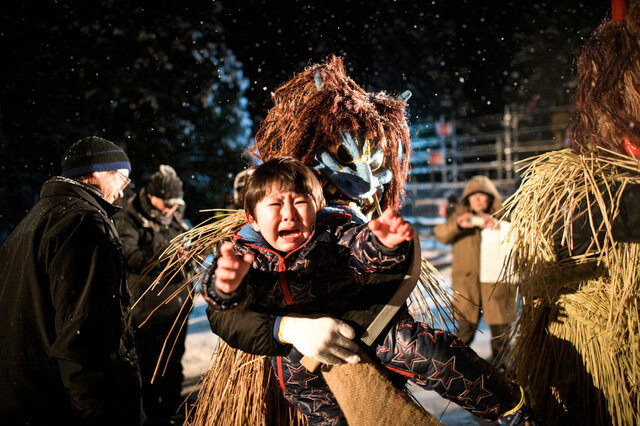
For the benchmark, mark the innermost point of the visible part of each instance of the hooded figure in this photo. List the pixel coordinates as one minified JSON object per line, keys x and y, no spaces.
{"x":576,"y":220}
{"x":479,"y":208}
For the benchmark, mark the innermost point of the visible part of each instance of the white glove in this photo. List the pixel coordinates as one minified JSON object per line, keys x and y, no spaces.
{"x":326,"y":339}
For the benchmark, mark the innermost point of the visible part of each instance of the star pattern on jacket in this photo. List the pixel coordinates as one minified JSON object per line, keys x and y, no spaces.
{"x":420,"y":380}
{"x":408,"y":355}
{"x":490,"y":413}
{"x":474,"y":391}
{"x":445,"y":372}
{"x":405,"y":323}
{"x":301,"y":292}
{"x":427,"y":331}
{"x":299,"y":376}
{"x":457,"y":343}
{"x":328,"y":421}
{"x":275,"y":294}
{"x":319,"y":398}
{"x":382,"y":349}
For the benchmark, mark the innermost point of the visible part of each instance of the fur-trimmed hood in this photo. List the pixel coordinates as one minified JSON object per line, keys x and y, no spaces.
{"x":483,"y":184}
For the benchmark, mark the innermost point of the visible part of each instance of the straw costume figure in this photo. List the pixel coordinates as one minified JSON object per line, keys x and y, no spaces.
{"x":358,"y":144}
{"x":576,"y":222}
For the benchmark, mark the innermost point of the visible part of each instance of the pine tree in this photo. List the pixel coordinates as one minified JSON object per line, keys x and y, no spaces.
{"x":155,"y":77}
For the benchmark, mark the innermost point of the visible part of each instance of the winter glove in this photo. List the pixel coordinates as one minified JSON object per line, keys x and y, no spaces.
{"x":326,"y":339}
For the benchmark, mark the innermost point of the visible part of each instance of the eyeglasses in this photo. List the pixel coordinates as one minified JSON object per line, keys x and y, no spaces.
{"x":125,"y":178}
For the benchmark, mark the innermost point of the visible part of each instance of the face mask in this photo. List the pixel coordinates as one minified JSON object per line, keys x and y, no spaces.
{"x":353,"y":168}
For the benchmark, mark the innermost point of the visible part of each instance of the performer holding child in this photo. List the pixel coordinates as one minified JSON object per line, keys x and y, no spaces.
{"x":296,"y":257}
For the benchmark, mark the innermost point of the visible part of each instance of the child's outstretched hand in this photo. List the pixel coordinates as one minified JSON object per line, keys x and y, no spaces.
{"x":391,"y":229}
{"x":231,"y":268}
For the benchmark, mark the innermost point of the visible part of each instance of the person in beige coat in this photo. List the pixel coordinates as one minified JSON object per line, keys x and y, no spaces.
{"x":479,"y":208}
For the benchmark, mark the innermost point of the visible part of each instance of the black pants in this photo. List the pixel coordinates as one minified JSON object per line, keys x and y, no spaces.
{"x":433,"y":359}
{"x":161,"y":399}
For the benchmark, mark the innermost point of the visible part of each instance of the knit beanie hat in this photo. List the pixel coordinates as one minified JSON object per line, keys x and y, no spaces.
{"x":93,"y":154}
{"x":166,"y":184}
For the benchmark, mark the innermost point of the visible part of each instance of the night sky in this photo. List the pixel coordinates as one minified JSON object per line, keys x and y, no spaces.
{"x":453,"y":55}
{"x":121,"y":70}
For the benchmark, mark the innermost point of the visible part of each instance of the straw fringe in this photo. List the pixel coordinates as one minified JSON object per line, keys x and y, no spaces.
{"x":577,"y":348}
{"x":240,"y":389}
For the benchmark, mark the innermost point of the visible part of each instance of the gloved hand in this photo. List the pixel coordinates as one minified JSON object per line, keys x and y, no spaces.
{"x":326,"y":339}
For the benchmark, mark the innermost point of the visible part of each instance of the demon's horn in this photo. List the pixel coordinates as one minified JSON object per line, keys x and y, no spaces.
{"x":404,"y":96}
{"x":618,"y":10}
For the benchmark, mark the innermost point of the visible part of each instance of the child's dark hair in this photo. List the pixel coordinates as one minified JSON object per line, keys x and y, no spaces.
{"x":286,"y":173}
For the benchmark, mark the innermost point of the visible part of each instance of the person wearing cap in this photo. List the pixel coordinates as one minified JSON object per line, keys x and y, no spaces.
{"x":148,"y":222}
{"x":67,"y":352}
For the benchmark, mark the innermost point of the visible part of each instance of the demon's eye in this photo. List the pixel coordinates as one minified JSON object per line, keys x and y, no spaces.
{"x":343,"y":155}
{"x":376,"y":161}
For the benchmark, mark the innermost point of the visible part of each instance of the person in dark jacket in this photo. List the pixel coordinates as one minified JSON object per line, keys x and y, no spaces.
{"x":295,"y":259}
{"x":67,"y":351}
{"x":148,"y":222}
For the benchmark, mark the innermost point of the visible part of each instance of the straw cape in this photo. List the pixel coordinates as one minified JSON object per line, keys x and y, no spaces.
{"x":577,"y":348}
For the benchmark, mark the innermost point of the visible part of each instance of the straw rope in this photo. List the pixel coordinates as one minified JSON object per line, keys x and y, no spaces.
{"x":577,"y":348}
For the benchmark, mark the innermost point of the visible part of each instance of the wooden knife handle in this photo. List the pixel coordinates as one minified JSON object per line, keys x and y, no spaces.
{"x":309,"y":363}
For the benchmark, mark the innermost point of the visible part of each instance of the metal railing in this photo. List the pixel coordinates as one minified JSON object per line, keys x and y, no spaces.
{"x":447,"y":153}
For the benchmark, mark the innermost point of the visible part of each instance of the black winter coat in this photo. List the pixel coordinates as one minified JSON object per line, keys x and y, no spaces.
{"x":67,"y":353}
{"x":143,"y":240}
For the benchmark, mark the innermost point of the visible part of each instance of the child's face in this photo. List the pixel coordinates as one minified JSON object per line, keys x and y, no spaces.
{"x":284,"y":218}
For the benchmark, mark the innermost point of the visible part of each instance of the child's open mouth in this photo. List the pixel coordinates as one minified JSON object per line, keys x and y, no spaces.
{"x":289,"y":234}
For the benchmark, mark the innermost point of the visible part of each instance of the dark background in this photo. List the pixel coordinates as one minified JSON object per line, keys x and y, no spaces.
{"x":188,"y":83}
{"x":460,"y":58}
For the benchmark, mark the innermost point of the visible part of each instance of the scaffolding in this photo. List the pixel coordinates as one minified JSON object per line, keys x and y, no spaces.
{"x":447,"y":153}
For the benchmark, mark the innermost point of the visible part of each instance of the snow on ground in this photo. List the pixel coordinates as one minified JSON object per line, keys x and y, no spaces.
{"x":201,"y":346}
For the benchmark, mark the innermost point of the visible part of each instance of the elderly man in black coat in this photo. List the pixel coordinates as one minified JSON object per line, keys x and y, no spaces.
{"x":67,"y":350}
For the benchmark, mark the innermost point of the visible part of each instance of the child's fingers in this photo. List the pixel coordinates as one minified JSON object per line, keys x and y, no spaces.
{"x":232,"y":262}
{"x":396,"y":223}
{"x":227,"y":275}
{"x":245,"y":263}
{"x":247,"y":258}
{"x":223,"y":287}
{"x":226,"y":286}
{"x":388,"y":213}
{"x":407,"y":231}
{"x":226,"y":249}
